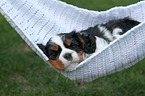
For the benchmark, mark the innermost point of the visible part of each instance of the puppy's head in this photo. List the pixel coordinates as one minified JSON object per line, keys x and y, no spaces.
{"x":62,"y":51}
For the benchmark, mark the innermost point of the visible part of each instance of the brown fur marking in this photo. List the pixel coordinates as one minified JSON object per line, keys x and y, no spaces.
{"x":81,"y":56}
{"x":82,"y":41}
{"x":55,"y":47}
{"x":68,"y":42}
{"x":57,"y":64}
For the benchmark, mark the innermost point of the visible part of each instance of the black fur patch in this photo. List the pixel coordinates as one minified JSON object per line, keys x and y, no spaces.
{"x":51,"y":54}
{"x":125,"y":24}
{"x":89,"y":45}
{"x":75,"y":44}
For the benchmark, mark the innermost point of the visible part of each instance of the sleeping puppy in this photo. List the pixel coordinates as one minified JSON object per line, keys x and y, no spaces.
{"x":66,"y":50}
{"x":63,"y":53}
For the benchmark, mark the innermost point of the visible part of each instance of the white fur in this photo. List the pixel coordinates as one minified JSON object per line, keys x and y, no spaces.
{"x":106,"y":32}
{"x":100,"y":43}
{"x":75,"y":57}
{"x":116,"y":32}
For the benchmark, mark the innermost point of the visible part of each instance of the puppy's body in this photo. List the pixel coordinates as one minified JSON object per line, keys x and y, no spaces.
{"x":66,"y":50}
{"x":111,"y":30}
{"x":104,"y":34}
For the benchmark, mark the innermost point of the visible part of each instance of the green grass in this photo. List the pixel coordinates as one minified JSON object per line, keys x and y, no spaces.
{"x":24,"y":73}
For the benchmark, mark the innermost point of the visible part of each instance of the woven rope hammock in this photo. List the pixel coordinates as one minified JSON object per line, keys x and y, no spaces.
{"x":38,"y":20}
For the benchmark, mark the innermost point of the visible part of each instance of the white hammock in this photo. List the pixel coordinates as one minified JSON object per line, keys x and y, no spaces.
{"x":38,"y":20}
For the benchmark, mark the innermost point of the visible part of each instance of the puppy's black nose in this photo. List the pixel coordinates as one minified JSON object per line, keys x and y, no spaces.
{"x":68,"y":56}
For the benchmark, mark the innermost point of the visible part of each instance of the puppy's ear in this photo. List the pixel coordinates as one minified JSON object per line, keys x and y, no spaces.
{"x":42,"y":47}
{"x":79,"y":38}
{"x":75,"y":34}
{"x":89,"y":43}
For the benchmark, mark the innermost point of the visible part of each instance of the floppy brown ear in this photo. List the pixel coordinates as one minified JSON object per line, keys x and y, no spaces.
{"x":42,"y":47}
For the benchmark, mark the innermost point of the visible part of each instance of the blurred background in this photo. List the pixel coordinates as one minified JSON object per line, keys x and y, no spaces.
{"x":24,"y":73}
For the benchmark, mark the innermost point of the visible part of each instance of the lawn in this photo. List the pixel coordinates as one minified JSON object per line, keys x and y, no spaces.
{"x":24,"y":73}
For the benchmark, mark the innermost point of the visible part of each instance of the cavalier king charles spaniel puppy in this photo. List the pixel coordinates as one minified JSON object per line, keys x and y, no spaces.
{"x":66,"y":50}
